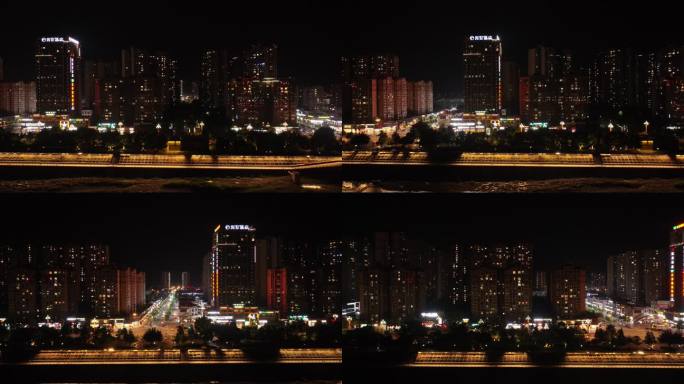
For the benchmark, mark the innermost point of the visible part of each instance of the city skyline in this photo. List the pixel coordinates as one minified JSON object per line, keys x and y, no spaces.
{"x":594,"y":33}
{"x":179,"y":236}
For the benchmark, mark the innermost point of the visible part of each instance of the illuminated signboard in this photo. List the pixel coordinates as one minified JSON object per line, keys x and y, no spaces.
{"x":239,"y":228}
{"x":52,"y":40}
{"x":485,"y":38}
{"x":72,"y":90}
{"x":59,"y":40}
{"x":677,"y":227}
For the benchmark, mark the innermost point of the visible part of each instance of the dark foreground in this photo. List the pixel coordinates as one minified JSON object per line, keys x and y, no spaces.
{"x":509,"y":375}
{"x":176,"y":372}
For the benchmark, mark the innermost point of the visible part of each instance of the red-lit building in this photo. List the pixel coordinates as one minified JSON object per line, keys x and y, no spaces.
{"x":524,"y":95}
{"x":276,"y":290}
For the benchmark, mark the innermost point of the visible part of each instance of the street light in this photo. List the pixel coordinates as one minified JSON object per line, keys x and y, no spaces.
{"x":611,"y":126}
{"x":562,"y":124}
{"x":646,"y":124}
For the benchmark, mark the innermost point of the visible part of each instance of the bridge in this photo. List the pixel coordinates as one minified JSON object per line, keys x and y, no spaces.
{"x":175,"y":356}
{"x":519,"y":160}
{"x":570,"y":360}
{"x":145,"y":161}
{"x":172,"y":365}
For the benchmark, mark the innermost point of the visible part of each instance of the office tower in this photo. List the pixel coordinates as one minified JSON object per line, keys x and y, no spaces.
{"x":185,"y":283}
{"x":165,"y":282}
{"x":568,"y":292}
{"x":510,"y":79}
{"x":233,"y":265}
{"x":276,"y":290}
{"x":18,"y":98}
{"x":58,"y":75}
{"x":482,"y":85}
{"x":261,"y":62}
{"x":676,"y":268}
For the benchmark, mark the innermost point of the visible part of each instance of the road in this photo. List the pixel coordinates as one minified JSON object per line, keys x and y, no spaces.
{"x":163,"y":315}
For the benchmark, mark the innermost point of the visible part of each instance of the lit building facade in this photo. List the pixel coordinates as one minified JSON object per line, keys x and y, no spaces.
{"x":676,"y":268}
{"x":58,"y":75}
{"x":568,"y":292}
{"x":233,"y":265}
{"x":18,"y":98}
{"x":276,"y":290}
{"x":483,"y":81}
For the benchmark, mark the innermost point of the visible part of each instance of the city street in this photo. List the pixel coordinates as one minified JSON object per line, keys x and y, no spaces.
{"x":163,"y":315}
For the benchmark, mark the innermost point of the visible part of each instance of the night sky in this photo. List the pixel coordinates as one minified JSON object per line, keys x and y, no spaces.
{"x":173,"y":232}
{"x":428,"y":35}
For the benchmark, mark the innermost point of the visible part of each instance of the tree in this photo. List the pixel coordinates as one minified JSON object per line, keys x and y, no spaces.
{"x":125,"y":337}
{"x":360,"y":140}
{"x":650,"y":338}
{"x":203,"y":328}
{"x":180,"y":338}
{"x":324,"y":141}
{"x":153,"y":336}
{"x":103,"y":338}
{"x":620,"y":339}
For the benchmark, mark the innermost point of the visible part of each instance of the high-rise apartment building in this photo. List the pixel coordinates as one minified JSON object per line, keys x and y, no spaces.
{"x":567,"y":292}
